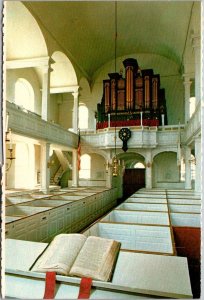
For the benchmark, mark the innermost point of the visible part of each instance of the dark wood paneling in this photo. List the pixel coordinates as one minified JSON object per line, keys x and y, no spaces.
{"x":133,"y":180}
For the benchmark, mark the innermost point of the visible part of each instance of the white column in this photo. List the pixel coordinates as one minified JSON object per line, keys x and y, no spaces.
{"x":75,"y":111}
{"x":187,"y":168}
{"x":75,"y":172}
{"x":45,"y":171}
{"x":187,"y":93}
{"x":198,"y":165}
{"x":197,"y":52}
{"x":148,"y":171}
{"x":46,"y":91}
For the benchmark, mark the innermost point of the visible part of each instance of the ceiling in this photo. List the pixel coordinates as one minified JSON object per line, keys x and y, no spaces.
{"x":85,"y":30}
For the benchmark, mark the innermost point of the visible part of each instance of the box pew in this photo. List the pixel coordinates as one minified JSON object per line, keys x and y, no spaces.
{"x":145,"y":200}
{"x":137,"y":217}
{"x":185,"y":219}
{"x":144,"y":238}
{"x":184,"y":208}
{"x":159,"y":196}
{"x":143,"y":206}
{"x":184,"y":201}
{"x":136,"y":275}
{"x":181,"y":196}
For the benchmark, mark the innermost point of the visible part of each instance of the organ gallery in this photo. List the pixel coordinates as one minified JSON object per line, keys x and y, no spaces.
{"x":133,"y":100}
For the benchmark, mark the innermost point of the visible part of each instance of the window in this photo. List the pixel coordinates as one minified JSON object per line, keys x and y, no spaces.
{"x":83,"y":117}
{"x":139,"y":165}
{"x":85,"y":171}
{"x":24,"y":94}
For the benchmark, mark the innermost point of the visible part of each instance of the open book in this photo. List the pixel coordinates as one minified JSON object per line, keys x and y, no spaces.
{"x":77,"y":255}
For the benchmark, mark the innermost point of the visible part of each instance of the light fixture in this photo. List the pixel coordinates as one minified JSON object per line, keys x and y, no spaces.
{"x":192,"y":160}
{"x":115,"y":162}
{"x":10,"y":148}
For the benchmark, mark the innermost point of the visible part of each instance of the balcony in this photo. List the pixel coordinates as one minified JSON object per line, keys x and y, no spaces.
{"x":29,"y":124}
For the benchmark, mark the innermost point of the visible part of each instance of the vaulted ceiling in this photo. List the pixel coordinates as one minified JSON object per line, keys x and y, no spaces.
{"x":86,"y":29}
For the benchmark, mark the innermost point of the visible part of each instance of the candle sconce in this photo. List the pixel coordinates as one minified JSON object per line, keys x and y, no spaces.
{"x":10,"y":148}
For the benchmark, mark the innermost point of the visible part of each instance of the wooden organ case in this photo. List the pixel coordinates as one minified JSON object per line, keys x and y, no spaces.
{"x":134,"y":100}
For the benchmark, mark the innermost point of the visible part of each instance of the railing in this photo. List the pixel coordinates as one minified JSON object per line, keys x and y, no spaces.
{"x":140,"y":137}
{"x":24,"y":122}
{"x":194,"y":125}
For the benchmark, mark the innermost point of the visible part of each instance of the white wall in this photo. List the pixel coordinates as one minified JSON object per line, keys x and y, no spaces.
{"x":165,"y":170}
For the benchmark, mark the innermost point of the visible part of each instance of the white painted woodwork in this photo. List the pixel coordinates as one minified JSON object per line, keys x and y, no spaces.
{"x":184,"y":208}
{"x":145,"y":200}
{"x":30,"y":124}
{"x":185,"y":219}
{"x":143,"y":206}
{"x":42,"y":219}
{"x":135,"y":237}
{"x":137,"y":217}
{"x":141,"y":274}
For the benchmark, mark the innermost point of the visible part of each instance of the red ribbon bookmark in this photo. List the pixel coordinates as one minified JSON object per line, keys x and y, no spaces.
{"x":50,"y":282}
{"x":85,"y":288}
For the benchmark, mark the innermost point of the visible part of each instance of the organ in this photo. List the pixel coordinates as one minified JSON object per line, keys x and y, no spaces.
{"x":124,"y":99}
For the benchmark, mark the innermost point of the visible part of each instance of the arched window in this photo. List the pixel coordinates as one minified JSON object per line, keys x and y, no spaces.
{"x":83,"y":117}
{"x":85,"y":171}
{"x":139,"y":165}
{"x":24,"y":94}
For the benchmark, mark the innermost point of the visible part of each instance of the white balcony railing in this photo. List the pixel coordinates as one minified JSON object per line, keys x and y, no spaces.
{"x":29,"y":124}
{"x":142,"y":137}
{"x":194,"y":125}
{"x":23,"y":122}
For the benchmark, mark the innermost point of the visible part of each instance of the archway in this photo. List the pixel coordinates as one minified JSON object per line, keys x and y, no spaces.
{"x":134,"y":173}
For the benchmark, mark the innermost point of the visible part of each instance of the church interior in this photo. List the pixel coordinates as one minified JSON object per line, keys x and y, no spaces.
{"x":101,"y":136}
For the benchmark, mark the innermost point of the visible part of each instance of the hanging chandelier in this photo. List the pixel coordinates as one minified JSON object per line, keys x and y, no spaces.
{"x":115,"y":162}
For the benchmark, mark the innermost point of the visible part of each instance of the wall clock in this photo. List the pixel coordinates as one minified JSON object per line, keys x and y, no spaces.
{"x":124,"y":135}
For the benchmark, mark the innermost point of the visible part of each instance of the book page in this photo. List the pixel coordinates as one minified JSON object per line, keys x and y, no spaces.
{"x":96,"y":259}
{"x":60,"y":254}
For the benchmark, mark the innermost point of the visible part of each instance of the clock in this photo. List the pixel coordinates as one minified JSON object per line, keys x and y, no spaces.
{"x":124,"y":135}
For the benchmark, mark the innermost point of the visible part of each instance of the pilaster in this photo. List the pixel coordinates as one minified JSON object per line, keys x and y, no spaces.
{"x":187,"y":92}
{"x":75,"y":171}
{"x":75,"y":111}
{"x":148,"y":171}
{"x":187,"y":168}
{"x":197,"y":53}
{"x":198,"y":165}
{"x":45,"y":171}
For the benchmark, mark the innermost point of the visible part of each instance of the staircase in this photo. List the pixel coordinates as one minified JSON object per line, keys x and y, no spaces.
{"x":54,"y":180}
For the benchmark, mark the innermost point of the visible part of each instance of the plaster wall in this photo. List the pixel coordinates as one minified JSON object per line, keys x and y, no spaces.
{"x":165,"y":170}
{"x":97,"y":167}
{"x":66,"y":111}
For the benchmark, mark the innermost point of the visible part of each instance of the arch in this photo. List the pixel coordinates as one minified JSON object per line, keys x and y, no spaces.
{"x":131,"y":158}
{"x":63,"y":71}
{"x":24,"y":94}
{"x":23,"y":31}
